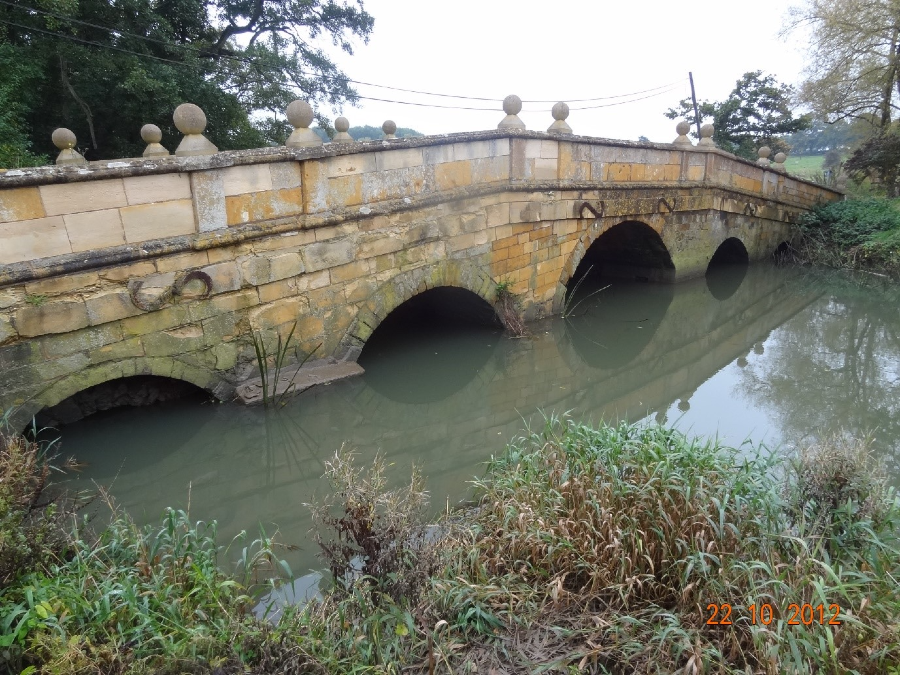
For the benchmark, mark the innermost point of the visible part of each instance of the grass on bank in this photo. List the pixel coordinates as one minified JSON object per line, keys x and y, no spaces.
{"x":853,"y":234}
{"x":589,"y":550}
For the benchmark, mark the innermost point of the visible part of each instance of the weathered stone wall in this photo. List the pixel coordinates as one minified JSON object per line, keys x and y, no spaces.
{"x":164,"y":267}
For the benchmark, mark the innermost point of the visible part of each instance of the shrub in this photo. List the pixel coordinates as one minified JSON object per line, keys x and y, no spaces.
{"x":851,"y":222}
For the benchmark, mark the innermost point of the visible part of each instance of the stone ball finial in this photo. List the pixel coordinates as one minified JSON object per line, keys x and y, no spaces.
{"x":342,"y":126}
{"x":65,"y":141}
{"x":706,"y":134}
{"x":300,"y":114}
{"x":389,"y":128}
{"x":682,"y":129}
{"x":780,"y":158}
{"x":764,"y":153}
{"x":512,"y":106}
{"x":560,"y":112}
{"x":152,"y":135}
{"x":189,"y":119}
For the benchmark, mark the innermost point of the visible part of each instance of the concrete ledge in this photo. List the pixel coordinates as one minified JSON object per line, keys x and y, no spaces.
{"x":293,"y":382}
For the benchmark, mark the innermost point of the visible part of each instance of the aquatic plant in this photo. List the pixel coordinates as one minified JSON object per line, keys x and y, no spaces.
{"x":272,"y":377}
{"x":508,"y":309}
{"x":569,"y":304}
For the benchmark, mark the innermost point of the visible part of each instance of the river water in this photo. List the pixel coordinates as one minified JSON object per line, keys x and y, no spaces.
{"x":765,"y":354}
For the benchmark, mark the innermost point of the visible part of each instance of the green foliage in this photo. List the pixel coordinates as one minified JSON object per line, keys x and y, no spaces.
{"x":367,"y":132}
{"x":271,"y":366}
{"x":756,"y":113}
{"x":821,"y":137}
{"x":878,"y":159}
{"x":103,"y":68}
{"x":852,"y":222}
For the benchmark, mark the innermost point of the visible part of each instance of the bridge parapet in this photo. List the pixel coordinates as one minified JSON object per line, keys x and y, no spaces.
{"x":79,"y":217}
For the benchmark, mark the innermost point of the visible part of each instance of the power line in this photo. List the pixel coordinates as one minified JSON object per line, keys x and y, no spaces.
{"x":246,"y":60}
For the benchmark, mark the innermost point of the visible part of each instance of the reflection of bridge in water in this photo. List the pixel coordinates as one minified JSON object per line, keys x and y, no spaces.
{"x":635,"y":351}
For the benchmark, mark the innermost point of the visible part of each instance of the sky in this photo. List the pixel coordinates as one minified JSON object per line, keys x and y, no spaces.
{"x":562,"y":50}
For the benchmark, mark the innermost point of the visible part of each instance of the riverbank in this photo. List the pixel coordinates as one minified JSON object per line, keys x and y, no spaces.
{"x":609,"y":549}
{"x":860,"y":234}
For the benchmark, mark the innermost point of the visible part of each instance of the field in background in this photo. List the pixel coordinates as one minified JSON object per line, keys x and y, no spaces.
{"x":805,"y":165}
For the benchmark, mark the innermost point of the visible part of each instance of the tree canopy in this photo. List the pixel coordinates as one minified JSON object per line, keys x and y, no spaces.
{"x":756,"y":113}
{"x":853,"y":68}
{"x":104,"y":68}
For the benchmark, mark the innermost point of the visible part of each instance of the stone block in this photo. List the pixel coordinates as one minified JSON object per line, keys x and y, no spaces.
{"x":58,"y":346}
{"x":497,"y":214}
{"x":124,"y":349}
{"x":225,"y":276}
{"x":546,"y":169}
{"x":327,"y":254}
{"x":285,"y":175}
{"x":310,"y":282}
{"x":437,"y":154}
{"x":285,"y":265}
{"x":396,"y":183}
{"x":238,"y":180}
{"x":21,"y":204}
{"x":182,"y":261}
{"x":11,"y":296}
{"x":490,"y":170}
{"x":277,"y":290}
{"x":549,"y":149}
{"x":151,"y":322}
{"x":157,"y":188}
{"x":532,"y":148}
{"x":379,"y":246}
{"x":352,"y":270}
{"x":126,"y":272}
{"x":62,"y":284}
{"x":158,"y":221}
{"x":275,"y":314}
{"x":208,"y":190}
{"x":94,"y":229}
{"x":256,"y":271}
{"x":255,"y":206}
{"x":349,"y":164}
{"x":453,"y":175}
{"x":344,"y":191}
{"x":33,"y":239}
{"x":109,"y":306}
{"x":86,"y":196}
{"x":181,"y":340}
{"x":52,"y":317}
{"x":7,"y":332}
{"x":398,"y":159}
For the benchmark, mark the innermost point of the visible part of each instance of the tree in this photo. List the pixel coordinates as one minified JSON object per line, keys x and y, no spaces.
{"x":821,"y":137}
{"x":879,"y":159}
{"x":756,"y":113}
{"x":104,"y":68}
{"x":854,"y":61}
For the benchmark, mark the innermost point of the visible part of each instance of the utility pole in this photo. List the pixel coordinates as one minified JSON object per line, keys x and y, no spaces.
{"x":694,"y":99}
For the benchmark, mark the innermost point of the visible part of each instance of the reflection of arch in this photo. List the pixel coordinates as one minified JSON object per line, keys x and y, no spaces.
{"x":727,"y":268}
{"x":400,"y":288}
{"x":114,"y":370}
{"x":613,"y":327}
{"x":629,"y":250}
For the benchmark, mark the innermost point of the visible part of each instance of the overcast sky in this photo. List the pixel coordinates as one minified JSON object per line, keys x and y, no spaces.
{"x":562,"y":50}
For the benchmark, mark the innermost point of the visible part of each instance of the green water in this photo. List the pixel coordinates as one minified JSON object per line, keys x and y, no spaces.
{"x":766,"y":354}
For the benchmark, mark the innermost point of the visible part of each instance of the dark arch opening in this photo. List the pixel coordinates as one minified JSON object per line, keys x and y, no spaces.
{"x":612,"y":312}
{"x":431,"y":346}
{"x":783,"y":254}
{"x":135,"y":391}
{"x":727,"y":268}
{"x":629,"y":250}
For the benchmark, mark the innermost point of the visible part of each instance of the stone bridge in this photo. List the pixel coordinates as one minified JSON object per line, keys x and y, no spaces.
{"x":166,"y":265}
